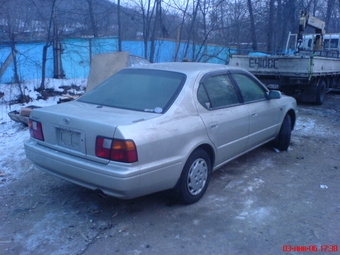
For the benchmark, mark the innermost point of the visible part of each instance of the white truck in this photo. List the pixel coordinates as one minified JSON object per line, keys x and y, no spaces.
{"x":307,"y":71}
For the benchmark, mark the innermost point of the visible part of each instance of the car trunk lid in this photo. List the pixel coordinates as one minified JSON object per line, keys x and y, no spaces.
{"x":73,"y":127}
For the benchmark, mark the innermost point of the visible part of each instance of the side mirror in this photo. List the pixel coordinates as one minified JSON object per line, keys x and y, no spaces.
{"x":274,"y":94}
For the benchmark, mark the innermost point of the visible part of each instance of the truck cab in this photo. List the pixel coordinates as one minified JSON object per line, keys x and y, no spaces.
{"x":330,"y":43}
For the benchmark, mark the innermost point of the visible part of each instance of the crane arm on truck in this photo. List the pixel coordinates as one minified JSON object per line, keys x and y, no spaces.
{"x":307,"y":20}
{"x":309,"y":72}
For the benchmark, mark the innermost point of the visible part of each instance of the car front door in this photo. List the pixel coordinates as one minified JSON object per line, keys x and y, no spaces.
{"x":225,"y":117}
{"x":263,"y":113}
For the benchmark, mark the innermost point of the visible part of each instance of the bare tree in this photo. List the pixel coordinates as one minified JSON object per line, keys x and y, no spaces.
{"x":48,"y":43}
{"x":119,"y":27}
{"x":191,"y":32}
{"x":192,"y":23}
{"x":281,"y":26}
{"x":182,"y":12}
{"x":252,"y":25}
{"x":148,"y":11}
{"x":330,"y":8}
{"x":156,"y":23}
{"x":238,"y":17}
{"x":16,"y":21}
{"x":92,"y":18}
{"x":270,"y":30}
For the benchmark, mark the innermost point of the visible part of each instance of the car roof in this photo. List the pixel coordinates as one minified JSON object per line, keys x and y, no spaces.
{"x":188,"y":68}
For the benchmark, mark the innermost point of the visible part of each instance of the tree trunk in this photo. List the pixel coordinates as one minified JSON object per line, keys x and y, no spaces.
{"x":22,"y":98}
{"x":45,"y":48}
{"x":282,"y":32}
{"x":93,"y":21}
{"x":155,"y":30}
{"x":44,"y":59}
{"x":16,"y":75}
{"x":180,"y":31}
{"x":252,"y":26}
{"x":270,"y":30}
{"x":191,"y":31}
{"x":147,"y":16}
{"x":330,"y":7}
{"x":119,"y":28}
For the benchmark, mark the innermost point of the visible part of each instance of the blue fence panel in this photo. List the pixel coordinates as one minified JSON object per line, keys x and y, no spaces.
{"x":75,"y":58}
{"x":76,"y":55}
{"x":217,"y":54}
{"x":164,"y":51}
{"x":185,"y":52}
{"x":8,"y":73}
{"x":134,"y":47}
{"x":103,"y":45}
{"x":29,"y":62}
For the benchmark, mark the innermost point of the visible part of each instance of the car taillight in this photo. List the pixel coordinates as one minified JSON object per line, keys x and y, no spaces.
{"x":36,"y":129}
{"x":117,"y":150}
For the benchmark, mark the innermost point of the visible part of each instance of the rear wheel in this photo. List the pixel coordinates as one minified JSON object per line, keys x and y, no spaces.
{"x":282,"y":140}
{"x":321,"y":92}
{"x":195,"y":177}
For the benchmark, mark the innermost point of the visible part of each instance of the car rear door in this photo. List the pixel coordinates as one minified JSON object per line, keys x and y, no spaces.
{"x":225,"y":118}
{"x":263,"y":113}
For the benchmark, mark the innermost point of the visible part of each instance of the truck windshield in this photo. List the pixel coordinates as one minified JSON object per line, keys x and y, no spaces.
{"x":138,"y":89}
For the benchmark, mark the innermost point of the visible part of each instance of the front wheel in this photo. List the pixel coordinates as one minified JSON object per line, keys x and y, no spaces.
{"x":282,"y":140}
{"x":195,"y":177}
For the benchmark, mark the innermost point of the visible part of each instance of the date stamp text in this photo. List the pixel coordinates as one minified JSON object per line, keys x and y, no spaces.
{"x":310,"y":248}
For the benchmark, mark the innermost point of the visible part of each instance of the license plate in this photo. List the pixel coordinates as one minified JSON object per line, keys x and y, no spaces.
{"x":71,"y":139}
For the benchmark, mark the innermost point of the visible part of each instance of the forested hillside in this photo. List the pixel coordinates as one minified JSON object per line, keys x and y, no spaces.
{"x":261,"y":24}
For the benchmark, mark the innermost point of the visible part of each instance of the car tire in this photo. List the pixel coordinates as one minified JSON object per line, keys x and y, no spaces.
{"x":282,"y":140}
{"x":195,"y":178}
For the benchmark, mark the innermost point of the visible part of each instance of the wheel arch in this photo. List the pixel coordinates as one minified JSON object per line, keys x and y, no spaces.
{"x":292,"y":115}
{"x":192,"y":184}
{"x":210,"y":151}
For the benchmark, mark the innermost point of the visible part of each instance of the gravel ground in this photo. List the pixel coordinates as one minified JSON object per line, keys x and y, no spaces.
{"x":262,"y":203}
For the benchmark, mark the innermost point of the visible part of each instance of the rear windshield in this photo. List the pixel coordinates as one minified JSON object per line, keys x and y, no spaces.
{"x":138,"y":89}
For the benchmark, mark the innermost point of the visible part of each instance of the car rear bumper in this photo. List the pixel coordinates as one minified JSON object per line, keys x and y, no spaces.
{"x":118,"y":180}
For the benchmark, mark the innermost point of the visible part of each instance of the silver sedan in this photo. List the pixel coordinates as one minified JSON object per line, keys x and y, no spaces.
{"x":158,"y":127}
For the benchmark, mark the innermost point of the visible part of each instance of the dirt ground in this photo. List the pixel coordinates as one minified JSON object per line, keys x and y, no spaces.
{"x":265,"y":202}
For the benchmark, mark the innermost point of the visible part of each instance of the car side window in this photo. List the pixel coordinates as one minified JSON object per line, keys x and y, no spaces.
{"x":217,"y":92}
{"x":250,"y":89}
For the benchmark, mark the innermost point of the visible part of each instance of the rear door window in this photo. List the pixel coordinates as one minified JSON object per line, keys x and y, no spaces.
{"x":217,"y":92}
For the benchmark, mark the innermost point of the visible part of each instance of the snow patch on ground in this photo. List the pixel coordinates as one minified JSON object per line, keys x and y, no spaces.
{"x":12,"y":151}
{"x":11,"y":92}
{"x":306,"y":126}
{"x":14,"y":134}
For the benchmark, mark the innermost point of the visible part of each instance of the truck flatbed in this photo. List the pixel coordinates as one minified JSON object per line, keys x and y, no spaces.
{"x":292,"y":66}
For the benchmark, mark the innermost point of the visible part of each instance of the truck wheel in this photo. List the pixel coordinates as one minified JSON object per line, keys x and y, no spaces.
{"x":282,"y":140}
{"x":195,"y":177}
{"x":321,"y":92}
